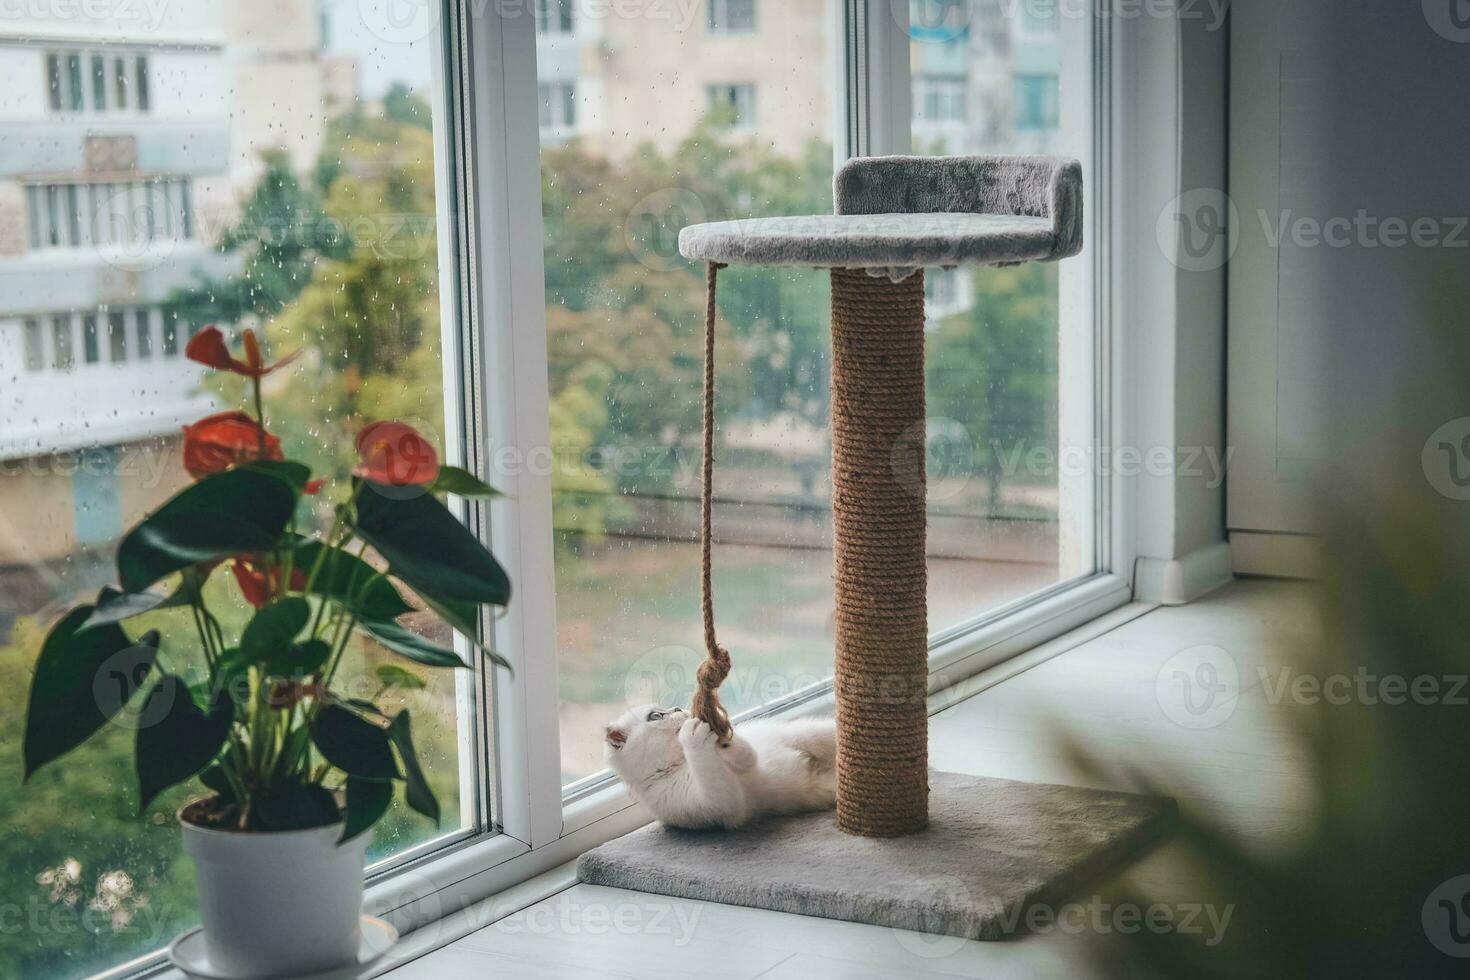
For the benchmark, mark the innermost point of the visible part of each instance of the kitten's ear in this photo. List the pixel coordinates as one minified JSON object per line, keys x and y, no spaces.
{"x":616,"y":737}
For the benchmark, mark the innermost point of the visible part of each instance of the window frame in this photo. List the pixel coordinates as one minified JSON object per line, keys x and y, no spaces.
{"x":520,"y":820}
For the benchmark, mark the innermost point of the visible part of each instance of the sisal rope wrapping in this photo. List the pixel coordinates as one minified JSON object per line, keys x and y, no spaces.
{"x":716,"y":664}
{"x":878,"y":513}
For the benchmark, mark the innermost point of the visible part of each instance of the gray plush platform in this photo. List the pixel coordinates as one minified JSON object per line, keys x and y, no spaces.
{"x":994,"y":848}
{"x":901,"y":213}
{"x":861,"y":241}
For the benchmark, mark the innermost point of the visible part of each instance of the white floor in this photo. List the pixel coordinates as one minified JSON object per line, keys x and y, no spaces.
{"x":1120,"y":695}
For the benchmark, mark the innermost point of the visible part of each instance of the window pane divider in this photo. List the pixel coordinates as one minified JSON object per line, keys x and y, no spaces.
{"x":510,"y":330}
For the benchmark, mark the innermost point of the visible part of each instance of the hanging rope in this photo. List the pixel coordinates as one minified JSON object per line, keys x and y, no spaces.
{"x":716,"y":664}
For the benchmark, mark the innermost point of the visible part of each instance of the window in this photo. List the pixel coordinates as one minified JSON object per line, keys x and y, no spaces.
{"x":554,"y":16}
{"x":74,"y":82}
{"x":97,"y":81}
{"x":558,"y":110}
{"x":733,"y":105}
{"x":35,"y":346}
{"x":1005,"y":482}
{"x":579,"y":397}
{"x":731,"y":16}
{"x":143,"y":324}
{"x":1036,"y":102}
{"x":117,"y":337}
{"x":141,"y":73}
{"x":91,"y":347}
{"x":623,"y":314}
{"x":938,"y":99}
{"x":95,"y":385}
{"x":130,"y":213}
{"x":54,"y":82}
{"x":120,"y":82}
{"x":62,"y":356}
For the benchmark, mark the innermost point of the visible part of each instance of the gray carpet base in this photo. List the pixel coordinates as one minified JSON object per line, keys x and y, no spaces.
{"x":994,"y":850}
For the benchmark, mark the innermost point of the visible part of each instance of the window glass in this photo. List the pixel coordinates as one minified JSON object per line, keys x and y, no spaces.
{"x":53,"y":81}
{"x":91,"y":348}
{"x":74,"y":82}
{"x":117,"y":337}
{"x":651,"y":150}
{"x":285,"y":171}
{"x":731,"y":16}
{"x":142,"y":72}
{"x":99,"y":83}
{"x":143,"y":324}
{"x":61,"y":348}
{"x":120,"y":82}
{"x":1010,"y":511}
{"x":35,"y":346}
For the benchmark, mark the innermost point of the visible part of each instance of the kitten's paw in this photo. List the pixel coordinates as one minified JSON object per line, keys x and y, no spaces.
{"x":695,"y":734}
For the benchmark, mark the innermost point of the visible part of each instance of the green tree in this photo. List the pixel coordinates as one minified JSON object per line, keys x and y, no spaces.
{"x":281,"y":234}
{"x":993,"y":369}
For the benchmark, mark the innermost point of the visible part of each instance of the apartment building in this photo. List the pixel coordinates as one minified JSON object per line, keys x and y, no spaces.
{"x":617,"y":76}
{"x":128,"y":147}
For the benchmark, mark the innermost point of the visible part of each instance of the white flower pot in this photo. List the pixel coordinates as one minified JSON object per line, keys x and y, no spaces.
{"x":281,"y":904}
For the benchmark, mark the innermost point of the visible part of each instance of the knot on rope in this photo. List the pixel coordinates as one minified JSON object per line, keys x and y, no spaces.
{"x":715,"y":667}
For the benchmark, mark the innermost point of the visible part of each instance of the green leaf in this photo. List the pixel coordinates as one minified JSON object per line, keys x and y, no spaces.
{"x":269,"y":634}
{"x":293,"y":806}
{"x":392,"y":675}
{"x":409,"y":644}
{"x":463,"y":617}
{"x":82,"y":680}
{"x":307,"y":658}
{"x":416,"y":788}
{"x":353,"y":744}
{"x":429,"y":549}
{"x":367,"y":801}
{"x":230,"y":513}
{"x":114,"y":606}
{"x":343,"y":577}
{"x":294,"y":475}
{"x":452,"y":479}
{"x":182,"y":740}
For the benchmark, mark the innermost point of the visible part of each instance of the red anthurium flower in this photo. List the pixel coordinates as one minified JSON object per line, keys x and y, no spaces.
{"x":208,"y":347}
{"x":395,"y":453}
{"x":215,"y":443}
{"x":259,"y":584}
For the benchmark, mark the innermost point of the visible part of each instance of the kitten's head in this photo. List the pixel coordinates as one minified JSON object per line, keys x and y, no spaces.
{"x":643,"y":739}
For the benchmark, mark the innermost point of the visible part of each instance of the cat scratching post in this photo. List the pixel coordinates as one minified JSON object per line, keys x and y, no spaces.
{"x":936,"y":852}
{"x":895,"y":215}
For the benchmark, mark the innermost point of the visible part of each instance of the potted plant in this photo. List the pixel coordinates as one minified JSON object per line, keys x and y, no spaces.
{"x":296,"y":771}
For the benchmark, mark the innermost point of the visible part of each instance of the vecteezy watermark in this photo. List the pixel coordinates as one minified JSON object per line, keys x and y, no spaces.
{"x":1198,"y":687}
{"x":147,"y":15}
{"x":410,"y":21}
{"x":1208,"y":464}
{"x":665,"y":675}
{"x":1363,"y":687}
{"x":1446,"y":459}
{"x":1198,"y":230}
{"x":941,"y":21}
{"x":1094,"y":916}
{"x":1450,"y":19}
{"x":1446,"y":917}
{"x":651,"y":230}
{"x":566,"y":915}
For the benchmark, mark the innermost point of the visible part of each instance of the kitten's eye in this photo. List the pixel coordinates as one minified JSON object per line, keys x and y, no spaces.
{"x":655,"y":716}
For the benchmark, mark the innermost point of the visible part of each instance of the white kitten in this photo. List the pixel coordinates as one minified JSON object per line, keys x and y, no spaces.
{"x":676,"y":767}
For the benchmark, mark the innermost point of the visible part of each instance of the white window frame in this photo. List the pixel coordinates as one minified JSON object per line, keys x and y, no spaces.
{"x":520,"y":820}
